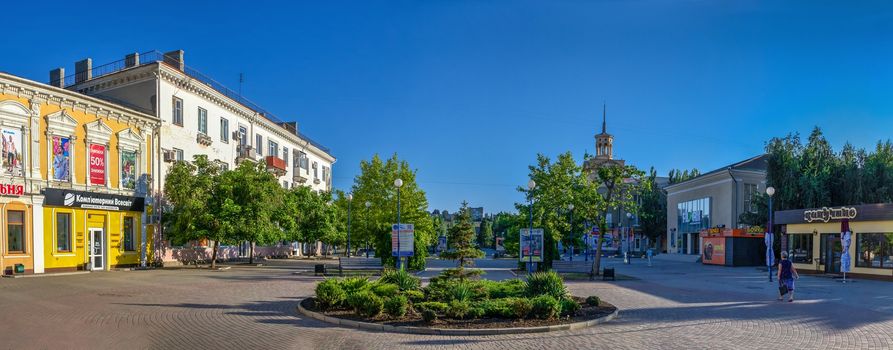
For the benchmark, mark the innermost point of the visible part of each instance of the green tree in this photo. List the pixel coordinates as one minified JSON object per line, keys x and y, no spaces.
{"x":201,"y":209}
{"x":375,"y":184}
{"x":677,"y":176}
{"x":257,"y":197}
{"x":485,"y":237}
{"x":313,"y":218}
{"x":461,"y":238}
{"x":653,"y":211}
{"x":618,"y":186}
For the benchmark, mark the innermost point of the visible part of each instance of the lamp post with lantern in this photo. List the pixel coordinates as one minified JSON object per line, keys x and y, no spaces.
{"x":398,"y":183}
{"x":530,"y":186}
{"x":770,"y":255}
{"x":570,"y":209}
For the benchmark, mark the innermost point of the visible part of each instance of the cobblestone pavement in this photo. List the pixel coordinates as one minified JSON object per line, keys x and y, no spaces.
{"x":669,"y":306}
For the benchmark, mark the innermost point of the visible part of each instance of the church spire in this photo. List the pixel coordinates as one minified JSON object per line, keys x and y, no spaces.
{"x":604,"y":117}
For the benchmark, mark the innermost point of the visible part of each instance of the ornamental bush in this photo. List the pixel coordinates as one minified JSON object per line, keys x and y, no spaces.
{"x":365,"y":303}
{"x":416,"y":296}
{"x":496,"y":308}
{"x":396,"y":306}
{"x":458,"y":309}
{"x":436,"y":306}
{"x":429,"y":315}
{"x":592,"y":300}
{"x":569,"y":307}
{"x":475,"y":313}
{"x":505,"y":289}
{"x":402,"y":278}
{"x":329,"y":294}
{"x":385,"y":290}
{"x":352,"y":285}
{"x":546,"y":283}
{"x":545,"y":307}
{"x":520,"y":307}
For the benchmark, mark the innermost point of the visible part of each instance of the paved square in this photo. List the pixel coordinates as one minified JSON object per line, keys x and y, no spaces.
{"x":671,"y":305}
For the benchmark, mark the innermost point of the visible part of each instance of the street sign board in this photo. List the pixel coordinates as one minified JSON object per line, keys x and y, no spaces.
{"x":405,"y":235}
{"x":531,"y":244}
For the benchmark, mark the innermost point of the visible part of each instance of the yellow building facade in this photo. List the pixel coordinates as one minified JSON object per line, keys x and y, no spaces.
{"x":74,"y":176}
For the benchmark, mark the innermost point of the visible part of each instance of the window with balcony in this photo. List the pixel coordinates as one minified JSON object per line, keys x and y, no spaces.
{"x":272,"y":148}
{"x":177,"y":113}
{"x":224,"y":130}
{"x":203,"y":120}
{"x":303,"y":162}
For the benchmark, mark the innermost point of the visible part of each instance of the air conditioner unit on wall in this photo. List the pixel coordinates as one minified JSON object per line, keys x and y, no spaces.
{"x":237,"y":135}
{"x":169,"y":156}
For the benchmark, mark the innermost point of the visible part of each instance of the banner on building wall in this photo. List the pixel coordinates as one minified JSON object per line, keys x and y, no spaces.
{"x":90,"y":200}
{"x":128,"y":169}
{"x":61,"y":158}
{"x":12,"y":152}
{"x":97,"y":164}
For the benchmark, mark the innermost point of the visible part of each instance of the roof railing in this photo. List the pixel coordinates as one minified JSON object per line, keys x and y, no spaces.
{"x":151,"y":57}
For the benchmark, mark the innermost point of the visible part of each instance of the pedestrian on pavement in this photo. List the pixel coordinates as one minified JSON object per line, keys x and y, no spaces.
{"x":786,"y":275}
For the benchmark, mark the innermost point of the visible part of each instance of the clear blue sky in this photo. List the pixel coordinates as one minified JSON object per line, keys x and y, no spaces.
{"x":469,"y":91}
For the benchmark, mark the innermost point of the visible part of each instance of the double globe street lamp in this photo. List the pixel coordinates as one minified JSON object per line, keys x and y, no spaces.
{"x":398,"y":183}
{"x":570,"y":208}
{"x":770,"y":254}
{"x":530,"y":186}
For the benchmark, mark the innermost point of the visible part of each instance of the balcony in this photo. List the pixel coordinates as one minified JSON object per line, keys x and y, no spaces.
{"x":204,"y":139}
{"x":276,"y":165}
{"x":299,"y":177}
{"x":245,"y":153}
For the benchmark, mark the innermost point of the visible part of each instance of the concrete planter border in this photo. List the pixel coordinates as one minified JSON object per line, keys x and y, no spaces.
{"x":452,"y":331}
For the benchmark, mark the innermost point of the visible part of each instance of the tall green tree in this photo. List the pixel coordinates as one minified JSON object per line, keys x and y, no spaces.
{"x":618,"y":186}
{"x":462,"y":247}
{"x":201,"y":209}
{"x":485,"y":237}
{"x":313,"y":218}
{"x":257,"y":196}
{"x":375,"y":184}
{"x":653,"y":211}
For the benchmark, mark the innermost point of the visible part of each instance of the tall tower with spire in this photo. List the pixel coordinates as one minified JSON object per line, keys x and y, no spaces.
{"x":604,"y":148}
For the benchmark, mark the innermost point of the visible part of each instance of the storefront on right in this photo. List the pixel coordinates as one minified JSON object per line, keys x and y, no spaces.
{"x":818,"y":238}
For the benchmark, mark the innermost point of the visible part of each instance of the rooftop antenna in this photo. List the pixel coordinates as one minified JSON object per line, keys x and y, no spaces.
{"x":241,"y":80}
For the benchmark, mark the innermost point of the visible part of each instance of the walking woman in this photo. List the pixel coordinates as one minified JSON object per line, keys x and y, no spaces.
{"x":786,"y":275}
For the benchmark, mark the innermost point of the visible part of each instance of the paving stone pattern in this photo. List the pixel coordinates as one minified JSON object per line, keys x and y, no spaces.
{"x":670,"y":306}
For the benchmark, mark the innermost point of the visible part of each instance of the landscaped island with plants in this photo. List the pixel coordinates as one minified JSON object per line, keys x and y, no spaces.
{"x":454,"y":300}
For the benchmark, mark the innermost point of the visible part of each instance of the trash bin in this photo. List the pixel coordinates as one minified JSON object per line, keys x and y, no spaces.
{"x":20,"y":268}
{"x":320,"y":269}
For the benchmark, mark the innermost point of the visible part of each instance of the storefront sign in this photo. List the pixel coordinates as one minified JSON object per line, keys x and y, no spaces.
{"x":755,"y":230}
{"x":714,"y":251}
{"x":11,"y":189}
{"x":827,"y":214}
{"x":97,"y":164}
{"x":90,"y":200}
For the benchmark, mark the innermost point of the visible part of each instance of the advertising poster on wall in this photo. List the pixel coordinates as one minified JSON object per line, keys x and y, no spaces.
{"x":97,"y":164}
{"x":61,"y":159}
{"x":128,"y":169}
{"x":714,"y":251}
{"x":12,"y":152}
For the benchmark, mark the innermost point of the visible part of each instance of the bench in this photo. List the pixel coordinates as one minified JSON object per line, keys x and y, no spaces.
{"x":358,"y":264}
{"x":608,"y":272}
{"x":579,"y":266}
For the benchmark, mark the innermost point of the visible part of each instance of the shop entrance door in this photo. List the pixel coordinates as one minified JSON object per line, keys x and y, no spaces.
{"x":832,"y":253}
{"x":97,"y":249}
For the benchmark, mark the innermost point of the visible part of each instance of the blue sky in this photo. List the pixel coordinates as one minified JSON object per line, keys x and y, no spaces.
{"x":469,"y":91}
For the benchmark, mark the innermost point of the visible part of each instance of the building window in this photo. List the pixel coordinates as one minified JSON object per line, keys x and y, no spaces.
{"x":273,"y":148}
{"x":750,"y":191}
{"x":693,"y":216}
{"x":177,"y":112}
{"x":315,"y":171}
{"x":325,"y":173}
{"x":128,"y":234}
{"x":243,"y":136}
{"x":178,"y":154}
{"x":303,"y":162}
{"x":285,"y":156}
{"x":128,"y":169}
{"x":224,"y":130}
{"x":203,"y":120}
{"x":259,"y":144}
{"x":285,"y":184}
{"x":224,"y":166}
{"x":875,"y":250}
{"x":15,"y":228}
{"x":800,"y":247}
{"x":63,"y":232}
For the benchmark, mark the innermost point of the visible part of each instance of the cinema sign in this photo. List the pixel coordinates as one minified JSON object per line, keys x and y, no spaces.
{"x":827,"y":214}
{"x":11,"y":189}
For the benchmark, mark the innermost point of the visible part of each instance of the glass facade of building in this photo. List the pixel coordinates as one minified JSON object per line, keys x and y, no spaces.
{"x":693,"y":216}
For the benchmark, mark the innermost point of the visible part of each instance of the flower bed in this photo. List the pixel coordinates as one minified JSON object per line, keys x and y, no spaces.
{"x":397,"y":299}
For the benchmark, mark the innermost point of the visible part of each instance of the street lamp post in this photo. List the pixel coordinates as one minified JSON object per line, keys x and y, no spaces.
{"x":771,"y":192}
{"x":398,"y":183}
{"x":530,"y":186}
{"x":628,"y":241}
{"x":349,"y":204}
{"x":570,"y":208}
{"x":368,"y":204}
